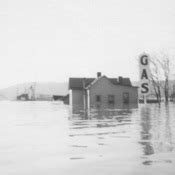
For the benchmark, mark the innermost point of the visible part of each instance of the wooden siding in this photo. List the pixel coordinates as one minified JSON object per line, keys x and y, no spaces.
{"x":104,"y":87}
{"x":77,"y":100}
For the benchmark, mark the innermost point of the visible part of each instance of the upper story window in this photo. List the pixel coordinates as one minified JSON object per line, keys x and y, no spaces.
{"x":98,"y":98}
{"x":111,"y":99}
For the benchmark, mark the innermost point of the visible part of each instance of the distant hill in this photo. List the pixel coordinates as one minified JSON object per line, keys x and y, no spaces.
{"x":41,"y":88}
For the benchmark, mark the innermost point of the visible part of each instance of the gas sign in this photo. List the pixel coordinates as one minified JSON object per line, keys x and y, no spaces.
{"x":144,"y":62}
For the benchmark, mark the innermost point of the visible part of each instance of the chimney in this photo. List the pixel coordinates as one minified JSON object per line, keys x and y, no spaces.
{"x":98,"y":74}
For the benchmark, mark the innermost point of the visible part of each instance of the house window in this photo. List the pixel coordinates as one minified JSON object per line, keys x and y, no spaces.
{"x":125,"y":97}
{"x":98,"y":98}
{"x":111,"y":99}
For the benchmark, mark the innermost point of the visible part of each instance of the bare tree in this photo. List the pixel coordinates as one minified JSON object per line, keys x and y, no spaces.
{"x":165,"y":66}
{"x":161,"y":68}
{"x":156,"y":78}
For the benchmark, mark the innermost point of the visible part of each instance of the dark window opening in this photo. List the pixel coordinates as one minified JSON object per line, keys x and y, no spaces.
{"x":125,"y":97}
{"x":111,"y":99}
{"x":98,"y":98}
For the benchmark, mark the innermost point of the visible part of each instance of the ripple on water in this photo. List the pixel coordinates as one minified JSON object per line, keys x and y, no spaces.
{"x":44,"y":136}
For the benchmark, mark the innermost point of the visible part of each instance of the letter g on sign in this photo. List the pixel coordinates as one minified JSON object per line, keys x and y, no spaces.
{"x":144,"y":60}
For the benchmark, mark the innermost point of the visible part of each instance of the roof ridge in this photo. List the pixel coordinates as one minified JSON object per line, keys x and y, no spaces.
{"x":79,"y":83}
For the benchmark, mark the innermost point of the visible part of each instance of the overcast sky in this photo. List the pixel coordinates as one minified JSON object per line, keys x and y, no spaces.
{"x":51,"y":40}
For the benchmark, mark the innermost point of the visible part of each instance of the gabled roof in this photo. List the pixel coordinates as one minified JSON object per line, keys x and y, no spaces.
{"x":81,"y":83}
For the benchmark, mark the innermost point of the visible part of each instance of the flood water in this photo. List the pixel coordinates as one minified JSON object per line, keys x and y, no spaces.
{"x":42,"y":138}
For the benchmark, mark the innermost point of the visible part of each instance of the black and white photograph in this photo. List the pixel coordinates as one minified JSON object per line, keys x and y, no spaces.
{"x":87,"y":87}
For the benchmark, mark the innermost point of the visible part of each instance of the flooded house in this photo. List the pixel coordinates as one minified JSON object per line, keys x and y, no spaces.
{"x":101,"y":93}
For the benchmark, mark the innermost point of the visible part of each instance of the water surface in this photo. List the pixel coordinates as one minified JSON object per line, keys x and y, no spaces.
{"x":42,"y":138}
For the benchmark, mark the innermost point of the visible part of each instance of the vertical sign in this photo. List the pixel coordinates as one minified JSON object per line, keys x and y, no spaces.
{"x":144,"y":74}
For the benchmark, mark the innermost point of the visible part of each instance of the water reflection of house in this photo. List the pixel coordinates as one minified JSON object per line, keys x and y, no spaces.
{"x":101,"y":92}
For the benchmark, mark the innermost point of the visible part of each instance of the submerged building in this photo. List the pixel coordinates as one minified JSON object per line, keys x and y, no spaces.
{"x":101,"y":93}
